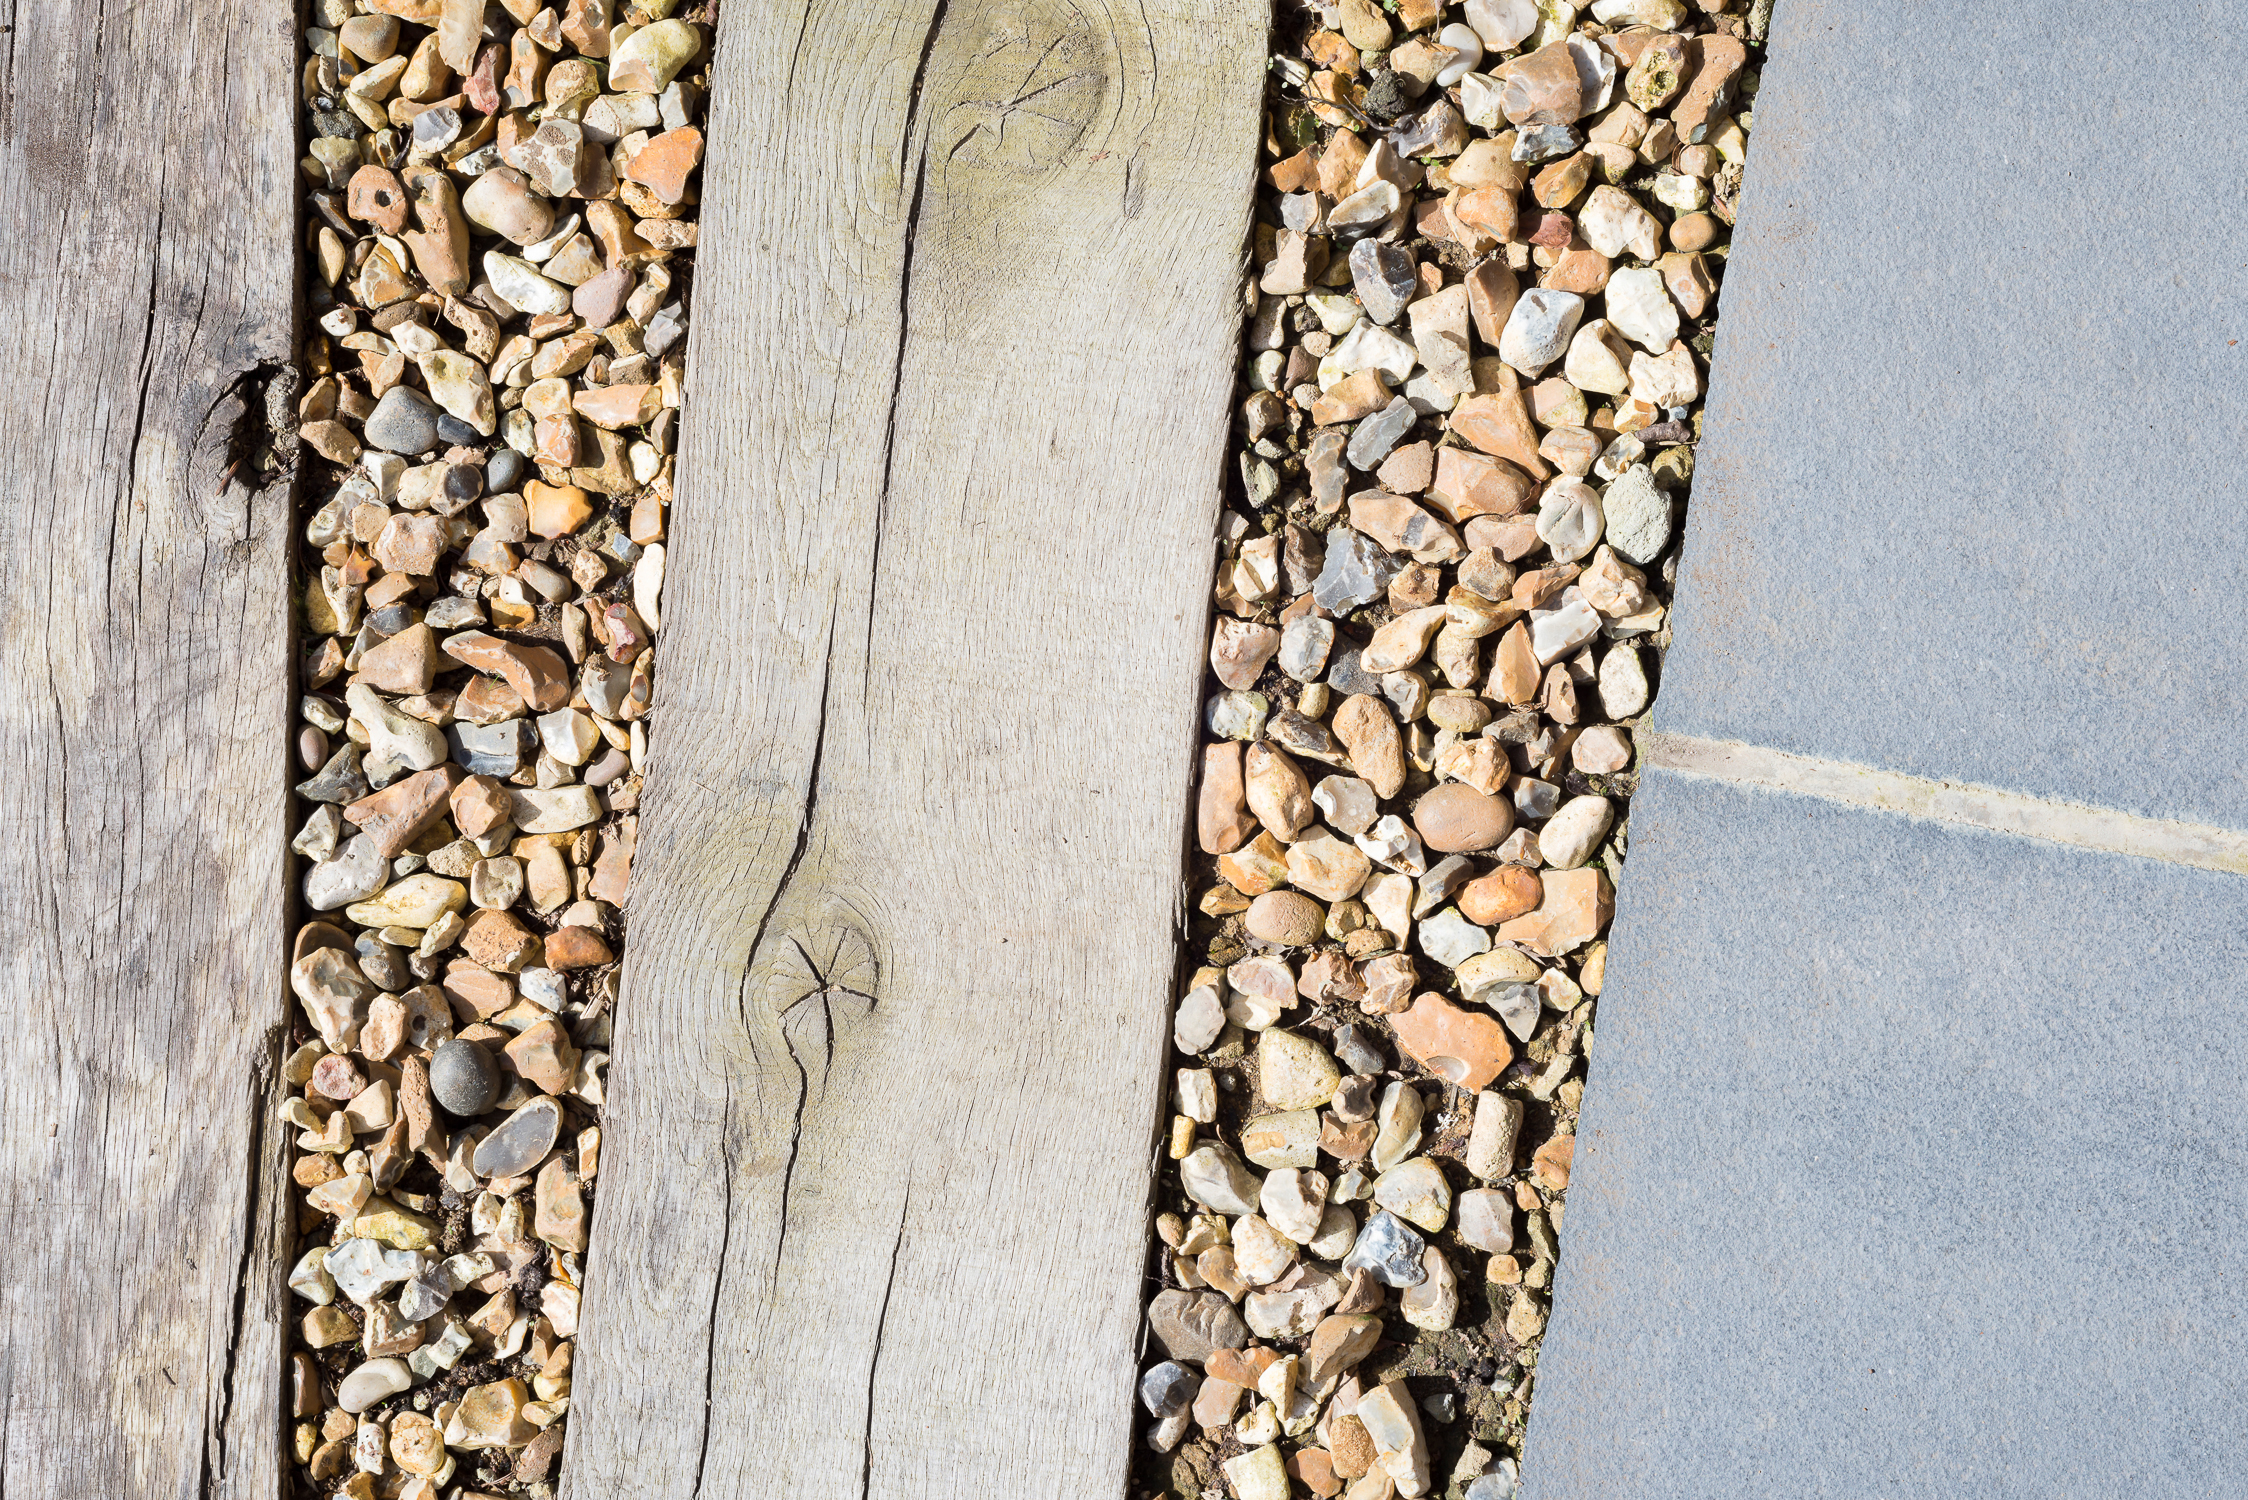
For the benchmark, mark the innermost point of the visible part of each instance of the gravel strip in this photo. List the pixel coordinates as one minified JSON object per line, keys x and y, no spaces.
{"x":499,"y":232}
{"x":1488,"y":247}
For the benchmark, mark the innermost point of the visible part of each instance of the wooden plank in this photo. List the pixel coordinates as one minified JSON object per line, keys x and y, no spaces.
{"x":887,"y":1061}
{"x":147,"y":163}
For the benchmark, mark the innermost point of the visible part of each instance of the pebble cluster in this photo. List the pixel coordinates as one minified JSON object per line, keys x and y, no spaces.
{"x":499,"y":230}
{"x":1487,"y":263}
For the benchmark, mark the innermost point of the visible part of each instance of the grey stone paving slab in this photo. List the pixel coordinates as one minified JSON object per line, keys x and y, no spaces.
{"x":1969,"y":502}
{"x":1914,"y":1164}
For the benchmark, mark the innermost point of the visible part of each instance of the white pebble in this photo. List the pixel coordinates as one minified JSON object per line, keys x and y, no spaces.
{"x":1469,"y":46}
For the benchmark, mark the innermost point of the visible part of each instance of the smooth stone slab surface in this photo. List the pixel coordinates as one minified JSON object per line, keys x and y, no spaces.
{"x":1968,"y":505}
{"x":1912,"y":1165}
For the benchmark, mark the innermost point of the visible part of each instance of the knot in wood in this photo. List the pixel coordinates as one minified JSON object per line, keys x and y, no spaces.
{"x":830,"y":955}
{"x":1033,"y":82}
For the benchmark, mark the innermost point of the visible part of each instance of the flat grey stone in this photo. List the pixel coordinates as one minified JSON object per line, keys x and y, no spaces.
{"x":1539,"y":329}
{"x":1168,"y":1388}
{"x":606,"y":684}
{"x":1372,"y":439}
{"x":1347,"y":676}
{"x":339,"y":781}
{"x":1356,"y":570}
{"x":1384,"y":278}
{"x":1304,"y":644}
{"x":1964,"y":506}
{"x":519,"y":1142}
{"x":1299,"y":734}
{"x":1910,"y":1166}
{"x":665,"y":329}
{"x":493,"y":749}
{"x":1539,"y":143}
{"x":1389,"y":1248}
{"x":1193,"y":1325}
{"x":1260,"y":480}
{"x":1637,"y":515}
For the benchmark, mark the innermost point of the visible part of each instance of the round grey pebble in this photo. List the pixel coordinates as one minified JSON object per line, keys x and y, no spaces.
{"x":464,"y":1078}
{"x":503,"y":470}
{"x":403,"y":421}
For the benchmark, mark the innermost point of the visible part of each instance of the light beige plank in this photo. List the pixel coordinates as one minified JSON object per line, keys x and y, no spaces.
{"x":883,"y":1098}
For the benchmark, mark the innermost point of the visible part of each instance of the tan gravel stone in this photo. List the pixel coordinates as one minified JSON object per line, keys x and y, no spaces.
{"x":377,"y":197}
{"x":440,"y":245}
{"x":1401,"y":526}
{"x":1328,"y":867}
{"x":665,"y":163}
{"x":1239,"y":650}
{"x":1471,"y":484}
{"x":1514,"y":667}
{"x":1222,"y":818}
{"x":556,"y":510}
{"x":395,"y":816}
{"x":1542,"y":88}
{"x":577,"y":948}
{"x":479,"y":805}
{"x":499,"y":942}
{"x":536,"y":673}
{"x":619,"y":406}
{"x":1256,"y":868}
{"x":1277,"y":791}
{"x":544,"y":1056}
{"x":1717,"y":60}
{"x":1575,"y":906}
{"x":1456,"y":818}
{"x":1463,"y":1047}
{"x":1500,"y":425}
{"x":491,"y":1416}
{"x":1550,"y":1163}
{"x":1377,"y":752}
{"x":1352,"y":397}
{"x":1506,"y":892}
{"x":407,"y":663}
{"x":1288,"y":918}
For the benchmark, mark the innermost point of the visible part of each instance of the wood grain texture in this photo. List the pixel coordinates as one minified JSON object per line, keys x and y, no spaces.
{"x":147,"y":164}
{"x":905,"y":917}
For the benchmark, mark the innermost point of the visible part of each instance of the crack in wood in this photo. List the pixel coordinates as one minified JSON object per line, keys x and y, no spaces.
{"x":805,"y":818}
{"x":874,"y":1361}
{"x":717,"y":1289}
{"x":251,"y":1256}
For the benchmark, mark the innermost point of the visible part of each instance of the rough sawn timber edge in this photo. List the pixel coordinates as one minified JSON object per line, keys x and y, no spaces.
{"x":873,"y":1212}
{"x":147,"y":299}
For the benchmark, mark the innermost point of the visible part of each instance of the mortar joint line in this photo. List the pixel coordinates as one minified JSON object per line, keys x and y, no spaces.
{"x":1966,"y":804}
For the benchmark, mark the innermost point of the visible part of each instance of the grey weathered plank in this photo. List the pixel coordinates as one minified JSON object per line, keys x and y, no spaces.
{"x":886,"y":1067}
{"x":146,"y":180}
